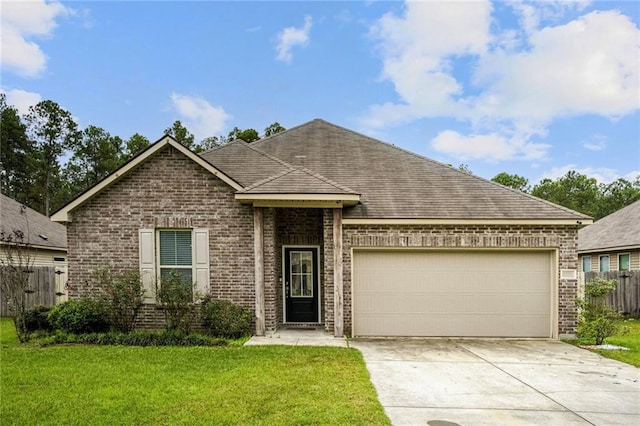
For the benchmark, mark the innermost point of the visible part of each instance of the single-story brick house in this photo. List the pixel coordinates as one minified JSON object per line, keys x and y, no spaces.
{"x":612,"y":243}
{"x":322,"y":225}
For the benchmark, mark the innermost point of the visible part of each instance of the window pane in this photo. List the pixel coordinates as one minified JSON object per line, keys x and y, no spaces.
{"x":586,"y":264}
{"x":175,"y":248}
{"x":185,"y":274}
{"x":296,"y":285}
{"x":604,"y":263}
{"x":308,"y":287}
{"x":623,"y":260}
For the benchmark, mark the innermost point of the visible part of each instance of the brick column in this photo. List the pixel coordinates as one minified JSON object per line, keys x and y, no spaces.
{"x":338,"y":302}
{"x":258,"y":249}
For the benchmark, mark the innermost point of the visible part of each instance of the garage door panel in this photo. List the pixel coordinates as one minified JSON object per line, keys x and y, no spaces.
{"x":452,"y":293}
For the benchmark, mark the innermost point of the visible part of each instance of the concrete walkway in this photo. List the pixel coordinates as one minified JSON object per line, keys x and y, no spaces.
{"x":499,"y":382}
{"x":296,"y":336}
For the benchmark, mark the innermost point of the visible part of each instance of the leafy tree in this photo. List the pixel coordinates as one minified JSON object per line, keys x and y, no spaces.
{"x":95,"y":156}
{"x":597,"y":320}
{"x":16,"y":167}
{"x":465,"y":168}
{"x":181,"y":134}
{"x":272,"y":129}
{"x":133,"y":146}
{"x":573,"y":190}
{"x":213,"y":142}
{"x":616,"y":195}
{"x":512,"y":181}
{"x":53,"y":130}
{"x":247,"y":135}
{"x":16,"y":265}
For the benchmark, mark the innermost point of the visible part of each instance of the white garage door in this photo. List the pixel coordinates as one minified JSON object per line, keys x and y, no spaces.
{"x":452,"y":293}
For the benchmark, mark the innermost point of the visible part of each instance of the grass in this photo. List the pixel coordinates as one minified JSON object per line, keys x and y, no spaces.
{"x":79,"y":384}
{"x":630,"y":340}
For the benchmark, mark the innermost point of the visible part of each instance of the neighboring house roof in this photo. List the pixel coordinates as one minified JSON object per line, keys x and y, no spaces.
{"x":319,"y":164}
{"x":39,"y":231}
{"x":618,"y":231}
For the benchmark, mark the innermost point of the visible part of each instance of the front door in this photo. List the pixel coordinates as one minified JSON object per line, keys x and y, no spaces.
{"x":301,"y":284}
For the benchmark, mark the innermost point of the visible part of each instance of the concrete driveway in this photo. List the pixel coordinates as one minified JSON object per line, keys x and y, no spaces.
{"x":442,"y":382}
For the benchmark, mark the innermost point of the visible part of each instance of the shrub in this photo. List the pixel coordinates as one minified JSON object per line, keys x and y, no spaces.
{"x":37,"y":319}
{"x":597,"y":320}
{"x":122,"y":297}
{"x":135,"y":338}
{"x":223,"y":318}
{"x":175,"y":297}
{"x":78,"y":316}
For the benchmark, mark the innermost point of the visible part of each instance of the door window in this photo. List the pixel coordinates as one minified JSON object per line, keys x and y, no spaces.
{"x":301,"y":272}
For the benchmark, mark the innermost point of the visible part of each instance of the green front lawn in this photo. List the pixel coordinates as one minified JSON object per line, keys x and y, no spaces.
{"x":78,"y":384}
{"x":630,"y":340}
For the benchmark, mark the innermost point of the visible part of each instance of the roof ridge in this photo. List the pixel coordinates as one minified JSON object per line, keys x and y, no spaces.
{"x":390,"y":145}
{"x":270,"y":156}
{"x":326,"y":180}
{"x":268,"y":179}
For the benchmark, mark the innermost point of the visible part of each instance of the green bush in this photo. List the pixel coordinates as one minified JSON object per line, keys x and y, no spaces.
{"x":37,"y":319}
{"x":223,"y":318}
{"x":175,"y":295}
{"x":134,"y":338}
{"x":78,"y":316}
{"x":597,"y":320}
{"x":122,"y":296}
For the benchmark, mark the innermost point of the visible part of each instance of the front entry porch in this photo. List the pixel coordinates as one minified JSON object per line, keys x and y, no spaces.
{"x":297,"y":336}
{"x":298,"y":268}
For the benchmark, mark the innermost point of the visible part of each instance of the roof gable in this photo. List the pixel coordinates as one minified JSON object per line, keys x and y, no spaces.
{"x":618,"y":231}
{"x":39,"y":231}
{"x":63,"y":215}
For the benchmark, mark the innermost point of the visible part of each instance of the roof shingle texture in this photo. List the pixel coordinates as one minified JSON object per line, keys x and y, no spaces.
{"x":33,"y":224}
{"x":393,"y":183}
{"x":618,"y":230}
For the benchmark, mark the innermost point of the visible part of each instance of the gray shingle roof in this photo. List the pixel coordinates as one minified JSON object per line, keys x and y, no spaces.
{"x":297,"y":181}
{"x":393,"y":183}
{"x":619,"y":230}
{"x":33,"y":224}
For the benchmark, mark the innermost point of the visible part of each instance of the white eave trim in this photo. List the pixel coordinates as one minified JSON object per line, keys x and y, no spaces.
{"x":299,"y":200}
{"x":608,"y":249}
{"x":542,"y":222}
{"x":64,"y":215}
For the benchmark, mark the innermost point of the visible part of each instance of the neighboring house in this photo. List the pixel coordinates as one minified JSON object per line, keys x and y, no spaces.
{"x":612,"y":243}
{"x":47,"y":240}
{"x":322,"y":225}
{"x":47,"y":246}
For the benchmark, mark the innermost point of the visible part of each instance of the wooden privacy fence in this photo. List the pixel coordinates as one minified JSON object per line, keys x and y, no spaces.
{"x":46,"y":287}
{"x":626,"y":297}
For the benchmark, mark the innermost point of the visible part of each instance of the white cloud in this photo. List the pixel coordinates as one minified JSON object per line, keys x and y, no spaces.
{"x":521,"y":80}
{"x":290,"y":37}
{"x":598,"y":143}
{"x":601,"y":174}
{"x":490,"y":147}
{"x":199,"y":116}
{"x":22,"y":21}
{"x":21,"y":99}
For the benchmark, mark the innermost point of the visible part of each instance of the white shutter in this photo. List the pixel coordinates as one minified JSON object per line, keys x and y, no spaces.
{"x":201,"y":260}
{"x":148,"y":263}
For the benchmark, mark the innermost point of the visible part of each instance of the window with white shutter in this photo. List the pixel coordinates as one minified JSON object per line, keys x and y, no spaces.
{"x":183,"y":251}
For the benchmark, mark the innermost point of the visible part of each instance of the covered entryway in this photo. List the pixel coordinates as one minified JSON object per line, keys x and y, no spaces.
{"x":467,"y":293}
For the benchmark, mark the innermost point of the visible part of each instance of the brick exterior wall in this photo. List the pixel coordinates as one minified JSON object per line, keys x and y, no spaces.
{"x":562,"y":238}
{"x":168,"y":190}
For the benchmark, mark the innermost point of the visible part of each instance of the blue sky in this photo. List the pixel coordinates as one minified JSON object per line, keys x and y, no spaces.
{"x":533,"y":88}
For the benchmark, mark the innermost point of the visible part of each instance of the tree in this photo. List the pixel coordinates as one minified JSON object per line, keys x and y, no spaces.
{"x":15,"y":154}
{"x":95,"y":156}
{"x":272,"y":129}
{"x":616,"y":195}
{"x":573,"y":190}
{"x":597,"y":320}
{"x":213,"y":142}
{"x":133,"y":146}
{"x":53,"y":131}
{"x":465,"y":168}
{"x":181,"y":134}
{"x":247,"y":135}
{"x":512,"y":181}
{"x":16,"y":265}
